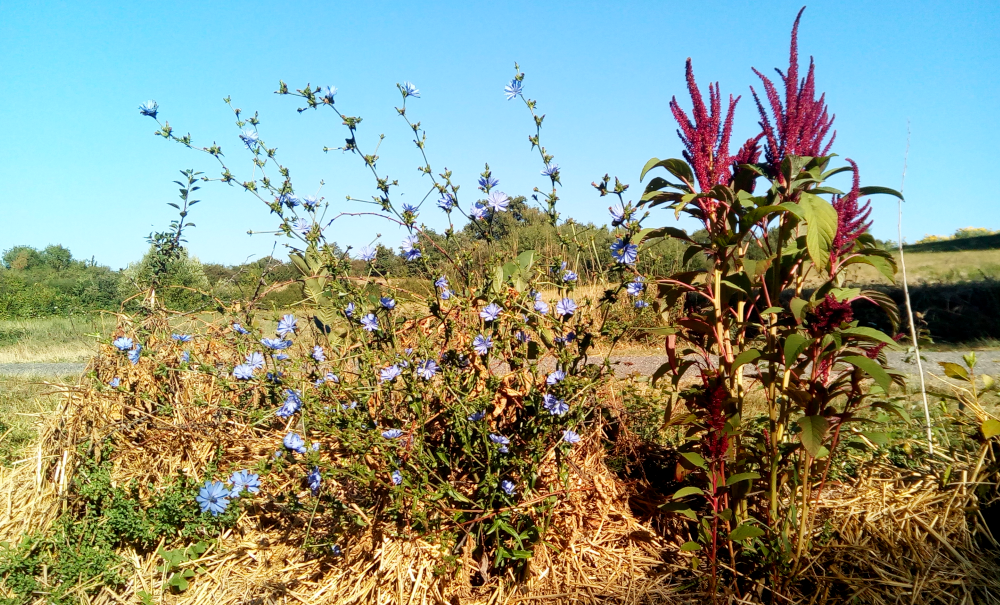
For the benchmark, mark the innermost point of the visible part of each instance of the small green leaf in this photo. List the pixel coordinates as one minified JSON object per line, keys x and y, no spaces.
{"x":690,"y":490}
{"x":794,"y":345}
{"x":745,"y":531}
{"x":872,"y":368}
{"x":821,"y":219}
{"x":814,"y":430}
{"x":690,"y":546}
{"x":734,"y":479}
{"x":953,"y":370}
{"x":695,"y":459}
{"x":872,"y":190}
{"x":798,"y":307}
{"x":991,"y":428}
{"x":745,"y":357}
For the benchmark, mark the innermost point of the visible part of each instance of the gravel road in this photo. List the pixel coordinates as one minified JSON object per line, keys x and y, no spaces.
{"x":989,"y":363}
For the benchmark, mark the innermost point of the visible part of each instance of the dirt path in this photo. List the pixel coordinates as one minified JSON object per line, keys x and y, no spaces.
{"x":644,"y":364}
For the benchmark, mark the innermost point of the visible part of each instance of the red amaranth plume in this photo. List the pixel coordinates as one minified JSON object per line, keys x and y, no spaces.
{"x":801,"y":123}
{"x":829,"y":314}
{"x":706,"y":140}
{"x":711,"y":401}
{"x":850,"y":219}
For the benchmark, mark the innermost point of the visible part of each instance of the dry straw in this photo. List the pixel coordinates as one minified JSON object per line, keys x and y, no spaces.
{"x":900,"y":537}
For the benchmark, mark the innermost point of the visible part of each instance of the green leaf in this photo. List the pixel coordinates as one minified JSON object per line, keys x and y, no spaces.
{"x":690,"y":490}
{"x":953,"y":370}
{"x":734,"y":479}
{"x":798,"y":307}
{"x":690,"y":546}
{"x":678,"y":168}
{"x":872,"y":334}
{"x":794,"y":209}
{"x":794,"y":345}
{"x":872,"y":190}
{"x":991,"y":427}
{"x":525,"y":260}
{"x":813,"y":433}
{"x":821,"y":220}
{"x":744,"y":358}
{"x":745,"y":531}
{"x":695,"y":459}
{"x":681,"y":508}
{"x":770,"y":310}
{"x":872,"y":368}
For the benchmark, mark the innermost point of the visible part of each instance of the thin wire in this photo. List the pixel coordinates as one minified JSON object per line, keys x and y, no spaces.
{"x":906,"y":295}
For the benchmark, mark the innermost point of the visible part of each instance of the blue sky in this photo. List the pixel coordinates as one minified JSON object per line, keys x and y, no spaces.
{"x":82,"y":167}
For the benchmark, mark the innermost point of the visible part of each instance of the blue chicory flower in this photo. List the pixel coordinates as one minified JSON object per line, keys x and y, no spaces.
{"x":149,"y":108}
{"x":115,"y":382}
{"x":507,"y":486}
{"x":482,"y":344}
{"x":441,"y":282}
{"x":617,"y":214}
{"x":135,"y":353}
{"x":314,"y":480}
{"x":122,"y":343}
{"x":292,"y":404}
{"x":487,"y":182}
{"x":289,"y":199}
{"x":566,"y":307}
{"x":491,"y":312}
{"x":570,"y":436}
{"x":318,"y":354}
{"x":240,"y":329}
{"x":213,"y":497}
{"x":255,"y":360}
{"x":636,"y":286}
{"x":328,"y":93}
{"x":410,"y":247}
{"x":367,"y":253}
{"x":569,"y":276}
{"x":551,"y":170}
{"x":409,"y":90}
{"x":181,"y":337}
{"x":243,"y":372}
{"x":392,"y":434}
{"x":310,"y":202}
{"x":498,"y":201}
{"x":186,"y":356}
{"x":349,"y":310}
{"x":541,"y":306}
{"x":478,"y":212}
{"x":411,"y":209}
{"x":427,"y":369}
{"x":244,"y":481}
{"x":369,"y":322}
{"x":624,"y":252}
{"x":512,"y":90}
{"x":641,"y":304}
{"x":294,"y":443}
{"x":502,"y":441}
{"x":477,"y":416}
{"x":556,"y":407}
{"x":282,"y":356}
{"x":390,"y":373}
{"x":388,"y":302}
{"x":302,"y":226}
{"x":555,"y":377}
{"x":275,"y":344}
{"x":446,"y":203}
{"x":349,"y":406}
{"x":249,"y":137}
{"x":397,"y":477}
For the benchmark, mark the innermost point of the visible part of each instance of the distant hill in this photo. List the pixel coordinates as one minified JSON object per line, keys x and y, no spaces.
{"x":981,"y":242}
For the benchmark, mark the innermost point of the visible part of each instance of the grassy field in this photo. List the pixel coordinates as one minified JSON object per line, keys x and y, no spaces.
{"x":24,"y":403}
{"x":51,"y":340}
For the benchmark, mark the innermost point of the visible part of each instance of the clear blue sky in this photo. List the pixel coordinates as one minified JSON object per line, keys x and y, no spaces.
{"x":82,"y":167}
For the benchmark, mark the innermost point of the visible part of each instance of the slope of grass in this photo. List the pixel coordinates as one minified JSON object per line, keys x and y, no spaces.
{"x":52,"y":339}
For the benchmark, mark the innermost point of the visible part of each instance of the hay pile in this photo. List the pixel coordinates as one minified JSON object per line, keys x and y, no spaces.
{"x":898,"y":537}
